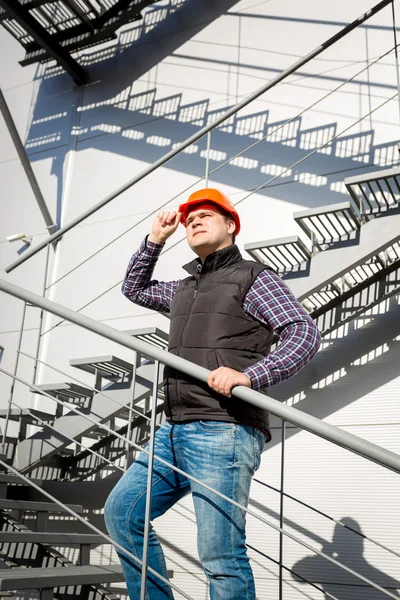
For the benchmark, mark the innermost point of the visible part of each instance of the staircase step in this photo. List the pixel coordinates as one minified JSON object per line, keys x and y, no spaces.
{"x":42,"y":445}
{"x":7,"y":478}
{"x":32,"y":578}
{"x":59,"y":539}
{"x":282,"y":254}
{"x":375,"y":192}
{"x":151,"y":335}
{"x":109,"y":367}
{"x":7,"y":504}
{"x":376,"y":237}
{"x":15,"y":414}
{"x":328,"y":224}
{"x":65,"y":391}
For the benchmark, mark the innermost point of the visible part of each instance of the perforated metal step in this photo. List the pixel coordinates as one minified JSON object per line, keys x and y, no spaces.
{"x":6,"y":504}
{"x":151,"y":335}
{"x":328,"y":224}
{"x":109,"y":367}
{"x":24,"y":579}
{"x":325,"y":295}
{"x":375,"y":192}
{"x":17,"y":414}
{"x":283,"y":254}
{"x":67,"y":392}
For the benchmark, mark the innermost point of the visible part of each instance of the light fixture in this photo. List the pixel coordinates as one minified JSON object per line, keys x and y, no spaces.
{"x":19,"y":236}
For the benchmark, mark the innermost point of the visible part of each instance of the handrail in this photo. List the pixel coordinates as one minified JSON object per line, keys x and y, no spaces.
{"x":206,"y":129}
{"x":111,"y":463}
{"x":320,"y":512}
{"x":310,"y":423}
{"x":204,"y":485}
{"x":114,"y":465}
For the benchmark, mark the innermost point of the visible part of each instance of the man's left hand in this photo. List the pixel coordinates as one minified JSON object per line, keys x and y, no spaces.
{"x":223,"y":379}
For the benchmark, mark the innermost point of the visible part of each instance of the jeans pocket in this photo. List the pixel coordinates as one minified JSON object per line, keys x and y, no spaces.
{"x":216,"y":426}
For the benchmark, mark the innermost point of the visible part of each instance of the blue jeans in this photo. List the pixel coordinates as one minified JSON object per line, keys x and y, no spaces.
{"x":221,"y":455}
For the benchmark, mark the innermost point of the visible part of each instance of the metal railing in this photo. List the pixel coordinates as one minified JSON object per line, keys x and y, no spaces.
{"x":346,"y":440}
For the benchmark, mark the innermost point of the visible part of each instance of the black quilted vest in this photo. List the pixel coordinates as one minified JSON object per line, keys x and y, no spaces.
{"x":210,"y":328}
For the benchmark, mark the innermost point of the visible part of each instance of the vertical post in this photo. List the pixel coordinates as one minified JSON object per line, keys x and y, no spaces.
{"x":98,"y":379}
{"x":26,"y":164}
{"x":41,"y":316}
{"x":129,"y":430}
{"x":283,"y":430}
{"x":363,"y":219}
{"x":149,"y":480}
{"x":10,"y":399}
{"x":208,"y":157}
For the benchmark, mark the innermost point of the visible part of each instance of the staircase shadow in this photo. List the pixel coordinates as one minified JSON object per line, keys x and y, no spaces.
{"x":326,"y":385}
{"x":115,"y":114}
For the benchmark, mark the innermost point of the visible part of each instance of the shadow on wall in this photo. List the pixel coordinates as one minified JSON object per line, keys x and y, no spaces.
{"x":347,"y":548}
{"x":141,"y":125}
{"x":358,"y":359}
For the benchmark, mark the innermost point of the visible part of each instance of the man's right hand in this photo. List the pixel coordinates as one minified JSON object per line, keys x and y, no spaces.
{"x":164,"y":225}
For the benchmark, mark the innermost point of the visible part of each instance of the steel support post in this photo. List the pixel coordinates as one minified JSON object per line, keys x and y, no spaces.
{"x":10,"y":399}
{"x":39,"y":340}
{"x":208,"y":157}
{"x":130,"y":417}
{"x":26,"y":164}
{"x":397,"y":59}
{"x":149,"y":481}
{"x":281,"y":519}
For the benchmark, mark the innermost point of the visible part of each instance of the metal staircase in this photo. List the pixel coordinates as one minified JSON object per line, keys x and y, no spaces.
{"x":124,"y":397}
{"x":31,"y":556}
{"x":343,"y":253}
{"x":37,"y":448}
{"x":55,"y":30}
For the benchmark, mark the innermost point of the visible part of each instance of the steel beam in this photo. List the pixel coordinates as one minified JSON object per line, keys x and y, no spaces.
{"x":26,"y":163}
{"x":17,"y":11}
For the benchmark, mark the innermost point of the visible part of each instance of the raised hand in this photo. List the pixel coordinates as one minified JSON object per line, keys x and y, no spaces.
{"x":164,"y":225}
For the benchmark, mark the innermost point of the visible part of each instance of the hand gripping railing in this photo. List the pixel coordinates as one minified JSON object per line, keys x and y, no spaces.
{"x":329,"y":432}
{"x":205,"y":130}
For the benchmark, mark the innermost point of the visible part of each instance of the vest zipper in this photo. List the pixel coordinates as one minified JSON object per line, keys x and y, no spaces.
{"x":196,"y":286}
{"x":196,"y":289}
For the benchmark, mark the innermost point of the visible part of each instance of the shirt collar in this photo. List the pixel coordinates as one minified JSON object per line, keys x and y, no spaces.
{"x":215,"y":260}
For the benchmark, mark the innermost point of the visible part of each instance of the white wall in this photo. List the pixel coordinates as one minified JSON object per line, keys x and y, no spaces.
{"x":162,"y":81}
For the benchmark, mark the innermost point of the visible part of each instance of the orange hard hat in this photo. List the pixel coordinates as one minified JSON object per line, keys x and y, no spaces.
{"x":213,"y":196}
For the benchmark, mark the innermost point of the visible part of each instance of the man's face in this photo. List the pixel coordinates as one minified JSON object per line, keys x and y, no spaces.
{"x":207,"y":230}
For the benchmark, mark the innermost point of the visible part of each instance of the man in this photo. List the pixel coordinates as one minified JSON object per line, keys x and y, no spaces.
{"x":223,"y":317}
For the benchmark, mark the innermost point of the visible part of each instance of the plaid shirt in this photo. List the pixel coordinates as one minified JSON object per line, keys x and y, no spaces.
{"x":268,"y":300}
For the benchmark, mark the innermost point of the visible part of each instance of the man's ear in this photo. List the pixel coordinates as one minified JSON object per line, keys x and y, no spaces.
{"x":231,"y":226}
